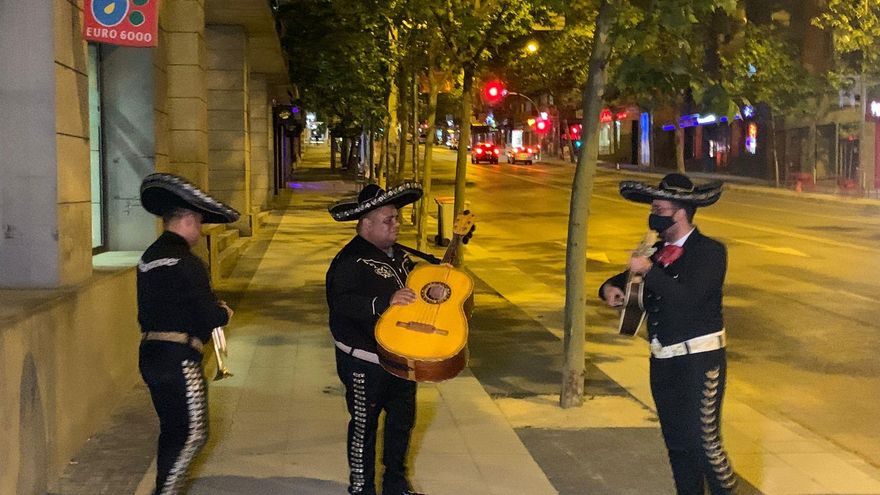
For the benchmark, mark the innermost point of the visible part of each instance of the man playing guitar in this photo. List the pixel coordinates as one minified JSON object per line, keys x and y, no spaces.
{"x":683,"y":300}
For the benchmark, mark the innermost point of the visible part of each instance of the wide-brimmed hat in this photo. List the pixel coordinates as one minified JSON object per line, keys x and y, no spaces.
{"x":371,"y":197}
{"x":161,"y":193}
{"x":673,"y":187}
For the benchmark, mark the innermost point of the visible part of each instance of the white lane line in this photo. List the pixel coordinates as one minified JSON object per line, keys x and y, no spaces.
{"x":811,"y":214}
{"x":773,"y":249}
{"x":858,"y":296}
{"x":599,"y":256}
{"x":732,"y":223}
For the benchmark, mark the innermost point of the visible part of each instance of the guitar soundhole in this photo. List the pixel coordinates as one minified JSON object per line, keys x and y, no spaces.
{"x":436,"y":292}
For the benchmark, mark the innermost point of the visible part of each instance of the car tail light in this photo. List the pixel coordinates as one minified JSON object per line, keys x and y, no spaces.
{"x":529,"y":150}
{"x":497,"y":151}
{"x":479,"y":151}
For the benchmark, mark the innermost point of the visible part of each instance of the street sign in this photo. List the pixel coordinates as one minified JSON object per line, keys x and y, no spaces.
{"x":121,"y":22}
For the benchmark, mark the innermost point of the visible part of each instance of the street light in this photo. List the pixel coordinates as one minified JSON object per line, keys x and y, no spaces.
{"x":524,"y":96}
{"x":532,"y":46}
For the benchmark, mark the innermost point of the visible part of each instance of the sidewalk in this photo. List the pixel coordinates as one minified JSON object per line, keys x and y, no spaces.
{"x":278,"y":425}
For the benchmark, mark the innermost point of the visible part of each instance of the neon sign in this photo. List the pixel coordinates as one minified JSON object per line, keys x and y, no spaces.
{"x":752,"y":138}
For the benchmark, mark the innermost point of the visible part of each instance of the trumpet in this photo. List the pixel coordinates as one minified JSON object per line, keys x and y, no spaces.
{"x":220,"y":352}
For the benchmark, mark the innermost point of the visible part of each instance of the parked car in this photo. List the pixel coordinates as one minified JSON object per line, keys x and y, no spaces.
{"x":522,"y":154}
{"x":485,"y":152}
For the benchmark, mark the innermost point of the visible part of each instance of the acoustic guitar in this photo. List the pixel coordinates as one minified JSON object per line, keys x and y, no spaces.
{"x":426,"y":341}
{"x":632,"y":312}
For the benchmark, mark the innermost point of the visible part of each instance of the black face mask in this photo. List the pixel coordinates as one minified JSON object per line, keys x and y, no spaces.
{"x":659,"y":223}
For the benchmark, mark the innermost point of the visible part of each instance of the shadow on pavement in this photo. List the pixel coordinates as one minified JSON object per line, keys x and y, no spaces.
{"x":222,"y":485}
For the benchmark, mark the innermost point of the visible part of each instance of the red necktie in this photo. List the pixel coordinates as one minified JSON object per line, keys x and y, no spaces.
{"x":668,"y":254}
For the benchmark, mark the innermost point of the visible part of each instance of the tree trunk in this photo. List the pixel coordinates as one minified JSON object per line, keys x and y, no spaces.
{"x":679,"y":147}
{"x":392,"y":136}
{"x":403,"y":118}
{"x":371,"y":160}
{"x":463,"y":141}
{"x":415,"y":126}
{"x":572,"y":393}
{"x":415,"y":144}
{"x":772,"y":131}
{"x":345,"y":153}
{"x":332,"y":152}
{"x":383,"y":152}
{"x":425,"y":203}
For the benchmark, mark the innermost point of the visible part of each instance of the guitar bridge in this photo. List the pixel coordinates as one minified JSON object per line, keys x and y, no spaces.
{"x":421,"y":327}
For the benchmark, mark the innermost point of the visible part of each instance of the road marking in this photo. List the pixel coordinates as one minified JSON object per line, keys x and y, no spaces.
{"x":750,"y":227}
{"x":773,"y":249}
{"x":811,"y":214}
{"x":599,"y":256}
{"x":858,"y":296}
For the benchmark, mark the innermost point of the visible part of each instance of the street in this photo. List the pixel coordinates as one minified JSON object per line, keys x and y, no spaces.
{"x":800,"y":296}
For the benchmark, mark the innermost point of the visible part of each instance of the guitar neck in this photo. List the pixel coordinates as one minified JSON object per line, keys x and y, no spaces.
{"x":452,"y":250}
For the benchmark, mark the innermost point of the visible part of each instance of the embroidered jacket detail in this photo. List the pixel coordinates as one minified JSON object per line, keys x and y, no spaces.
{"x":711,"y":437}
{"x":382,"y":269}
{"x":145,"y":267}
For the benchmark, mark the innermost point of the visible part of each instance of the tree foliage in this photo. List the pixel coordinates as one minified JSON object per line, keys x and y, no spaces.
{"x":339,"y":55}
{"x":766,"y":69}
{"x":855,"y":28}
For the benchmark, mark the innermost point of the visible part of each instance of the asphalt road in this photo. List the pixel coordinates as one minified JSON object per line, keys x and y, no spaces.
{"x":801,"y":295}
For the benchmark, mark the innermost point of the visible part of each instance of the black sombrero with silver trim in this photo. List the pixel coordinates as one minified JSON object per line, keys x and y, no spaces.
{"x":371,"y":197}
{"x":673,"y":187}
{"x":161,"y":193}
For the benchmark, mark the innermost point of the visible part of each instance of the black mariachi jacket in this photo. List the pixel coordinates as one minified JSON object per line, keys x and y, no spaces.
{"x":684,"y":300}
{"x":174,"y":291}
{"x":360,"y":282}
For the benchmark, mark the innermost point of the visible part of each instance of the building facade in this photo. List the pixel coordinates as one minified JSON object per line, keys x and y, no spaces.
{"x":83,"y":124}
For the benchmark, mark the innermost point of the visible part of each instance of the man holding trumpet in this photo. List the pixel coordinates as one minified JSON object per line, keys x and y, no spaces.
{"x":177,"y":312}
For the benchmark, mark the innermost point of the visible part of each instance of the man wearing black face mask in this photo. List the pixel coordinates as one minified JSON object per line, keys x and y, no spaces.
{"x":683,"y":302}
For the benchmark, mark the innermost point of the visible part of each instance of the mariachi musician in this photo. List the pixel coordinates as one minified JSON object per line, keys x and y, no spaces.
{"x":683,"y":301}
{"x":366,"y":277}
{"x":177,"y":311}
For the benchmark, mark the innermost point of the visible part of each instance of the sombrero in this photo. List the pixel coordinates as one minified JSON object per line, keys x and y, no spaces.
{"x":673,"y":187}
{"x":161,"y":193}
{"x":371,"y":197}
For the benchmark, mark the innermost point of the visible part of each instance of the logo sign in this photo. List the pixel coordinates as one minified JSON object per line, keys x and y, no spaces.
{"x":121,"y":22}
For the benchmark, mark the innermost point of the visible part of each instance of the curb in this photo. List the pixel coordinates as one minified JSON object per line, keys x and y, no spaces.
{"x":735,"y":183}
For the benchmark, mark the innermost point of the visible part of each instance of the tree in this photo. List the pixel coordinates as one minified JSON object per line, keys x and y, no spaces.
{"x":572,"y":393}
{"x":670,"y":58}
{"x":614,"y":22}
{"x":336,"y":61}
{"x":766,"y":69}
{"x":474,"y":32}
{"x":855,"y":26}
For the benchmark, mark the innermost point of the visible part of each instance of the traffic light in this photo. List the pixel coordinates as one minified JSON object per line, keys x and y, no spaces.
{"x":494,"y":92}
{"x":542,"y":126}
{"x":574,"y":132}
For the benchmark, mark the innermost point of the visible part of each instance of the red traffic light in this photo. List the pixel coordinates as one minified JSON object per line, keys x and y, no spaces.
{"x":574,"y":132}
{"x":493,"y":92}
{"x":542,"y":126}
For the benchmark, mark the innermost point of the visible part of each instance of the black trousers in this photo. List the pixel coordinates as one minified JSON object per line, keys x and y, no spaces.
{"x":688,"y":391}
{"x":173,"y":373}
{"x":369,"y":390}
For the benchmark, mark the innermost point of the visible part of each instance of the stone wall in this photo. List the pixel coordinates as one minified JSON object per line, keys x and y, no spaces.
{"x":65,"y":356}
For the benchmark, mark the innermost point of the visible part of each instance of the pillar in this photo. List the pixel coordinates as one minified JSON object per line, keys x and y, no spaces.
{"x":228,"y":140}
{"x":45,"y":202}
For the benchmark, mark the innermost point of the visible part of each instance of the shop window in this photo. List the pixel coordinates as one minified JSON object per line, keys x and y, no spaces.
{"x":96,"y":153}
{"x":606,"y":138}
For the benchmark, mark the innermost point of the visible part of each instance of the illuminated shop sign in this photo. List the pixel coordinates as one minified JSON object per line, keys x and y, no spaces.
{"x":752,"y":138}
